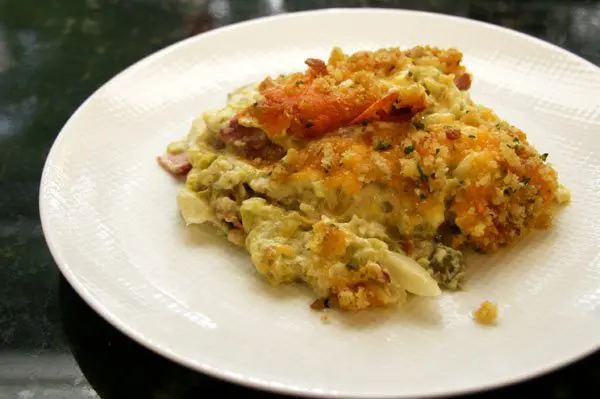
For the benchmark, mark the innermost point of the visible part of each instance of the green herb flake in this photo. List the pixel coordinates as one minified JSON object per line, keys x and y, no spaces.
{"x":544,"y":156}
{"x":382,"y":145}
{"x":409,"y":149}
{"x":422,"y":174}
{"x":437,"y":151}
{"x":299,"y":82}
{"x":422,"y":196}
{"x":472,"y":136}
{"x":525,"y":180}
{"x":516,"y":139}
{"x":410,"y":74}
{"x":352,"y":266}
{"x":427,"y":92}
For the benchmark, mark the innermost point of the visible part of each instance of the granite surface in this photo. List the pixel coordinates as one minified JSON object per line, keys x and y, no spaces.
{"x":55,"y":53}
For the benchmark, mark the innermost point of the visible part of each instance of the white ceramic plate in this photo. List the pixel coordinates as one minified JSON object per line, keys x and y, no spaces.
{"x":110,"y":219}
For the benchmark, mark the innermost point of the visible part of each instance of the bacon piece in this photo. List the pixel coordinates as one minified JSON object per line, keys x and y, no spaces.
{"x":233,"y":219}
{"x":463,"y":82}
{"x":248,"y":138}
{"x":452,"y":134}
{"x":249,"y":142}
{"x":176,"y":164}
{"x":226,"y":210}
{"x":317,"y":66}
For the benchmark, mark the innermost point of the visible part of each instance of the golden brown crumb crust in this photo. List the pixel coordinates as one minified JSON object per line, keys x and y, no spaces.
{"x":489,"y":182}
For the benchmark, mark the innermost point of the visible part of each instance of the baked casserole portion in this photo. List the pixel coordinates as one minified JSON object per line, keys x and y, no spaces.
{"x":364,"y":176}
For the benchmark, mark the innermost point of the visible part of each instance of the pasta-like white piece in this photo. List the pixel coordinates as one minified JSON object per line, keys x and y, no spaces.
{"x":408,"y":274}
{"x":193,"y":208}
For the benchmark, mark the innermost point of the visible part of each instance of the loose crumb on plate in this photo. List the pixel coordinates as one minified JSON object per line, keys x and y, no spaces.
{"x":320,"y":304}
{"x":487,"y":313}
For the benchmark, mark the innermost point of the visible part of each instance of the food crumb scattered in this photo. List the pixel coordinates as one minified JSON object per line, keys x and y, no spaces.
{"x":487,"y":313}
{"x":320,"y":304}
{"x":324,"y":319}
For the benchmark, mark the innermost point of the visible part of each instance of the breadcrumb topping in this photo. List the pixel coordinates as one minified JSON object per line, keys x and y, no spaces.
{"x":453,"y":165}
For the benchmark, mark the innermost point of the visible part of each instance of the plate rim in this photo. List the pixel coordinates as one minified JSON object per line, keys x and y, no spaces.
{"x":124,"y":327}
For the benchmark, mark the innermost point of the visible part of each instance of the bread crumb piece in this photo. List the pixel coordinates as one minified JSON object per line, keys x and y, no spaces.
{"x":324,"y":319}
{"x":487,"y":313}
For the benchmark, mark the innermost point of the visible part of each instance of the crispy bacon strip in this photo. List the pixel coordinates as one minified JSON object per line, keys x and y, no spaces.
{"x":305,"y":106}
{"x":306,"y":113}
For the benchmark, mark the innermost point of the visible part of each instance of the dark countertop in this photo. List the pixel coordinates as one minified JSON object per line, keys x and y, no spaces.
{"x":55,"y":53}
